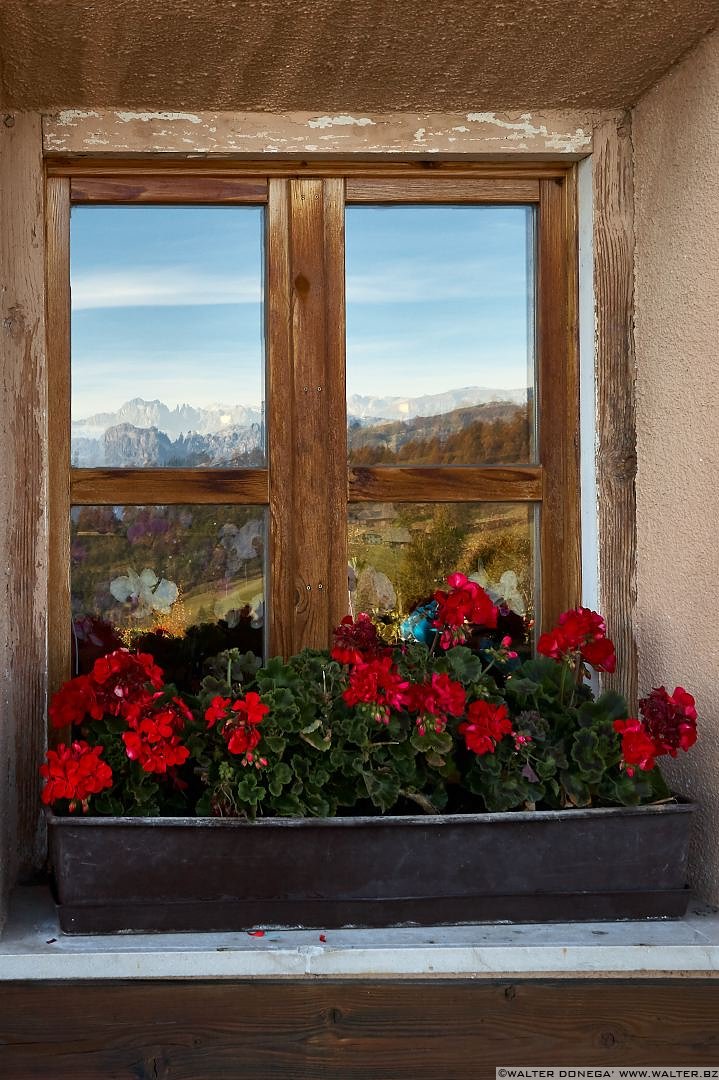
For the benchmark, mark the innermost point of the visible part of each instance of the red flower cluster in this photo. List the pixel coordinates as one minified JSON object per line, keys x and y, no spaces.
{"x":116,"y":681}
{"x":121,"y":676}
{"x":638,"y":747}
{"x":239,"y":722}
{"x":486,"y":726}
{"x":670,"y":719}
{"x":75,"y":773}
{"x":356,"y":640}
{"x":121,"y":684}
{"x":668,"y":724}
{"x":582,"y":631}
{"x":154,"y":738}
{"x":377,"y":683}
{"x":435,"y":700}
{"x":466,"y":603}
{"x":74,"y":701}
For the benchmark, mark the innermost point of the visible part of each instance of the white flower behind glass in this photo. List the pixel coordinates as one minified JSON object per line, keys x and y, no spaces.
{"x":503,"y":592}
{"x":145,"y":592}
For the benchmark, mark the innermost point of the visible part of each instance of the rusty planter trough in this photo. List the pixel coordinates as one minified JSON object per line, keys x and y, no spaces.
{"x":115,"y":875}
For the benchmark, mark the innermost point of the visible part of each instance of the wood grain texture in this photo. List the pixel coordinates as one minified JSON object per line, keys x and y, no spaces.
{"x":463,"y":483}
{"x":361,"y":168}
{"x":23,"y":522}
{"x":169,"y":190}
{"x":351,"y":1030}
{"x":615,"y":375}
{"x":335,"y":463}
{"x":138,"y":487}
{"x":442,"y":190}
{"x":558,"y":399}
{"x":311,"y":473}
{"x":280,"y":421}
{"x":58,"y":420}
{"x":548,"y":134}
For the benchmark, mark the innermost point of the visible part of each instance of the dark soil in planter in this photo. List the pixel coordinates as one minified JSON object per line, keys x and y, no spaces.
{"x":117,"y":875}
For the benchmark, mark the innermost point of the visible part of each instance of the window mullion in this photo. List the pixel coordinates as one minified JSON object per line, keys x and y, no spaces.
{"x":280,"y":420}
{"x":308,"y":485}
{"x":560,"y":541}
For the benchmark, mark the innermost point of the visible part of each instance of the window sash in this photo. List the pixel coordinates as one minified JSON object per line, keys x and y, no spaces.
{"x":307,"y":483}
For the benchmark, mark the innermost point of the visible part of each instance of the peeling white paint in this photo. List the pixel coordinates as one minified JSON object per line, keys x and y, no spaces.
{"x":524,"y":124}
{"x":68,"y":117}
{"x":480,"y":133}
{"x":571,"y":144}
{"x":127,"y":117}
{"x":340,"y":121}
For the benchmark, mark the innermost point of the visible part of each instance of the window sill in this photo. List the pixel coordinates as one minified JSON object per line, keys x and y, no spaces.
{"x":32,"y":947}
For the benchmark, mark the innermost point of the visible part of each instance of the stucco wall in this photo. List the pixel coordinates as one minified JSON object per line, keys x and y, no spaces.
{"x":676,"y":146}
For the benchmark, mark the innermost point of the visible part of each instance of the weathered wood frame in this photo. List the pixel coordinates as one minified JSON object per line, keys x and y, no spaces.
{"x":90,"y":144}
{"x":307,"y":485}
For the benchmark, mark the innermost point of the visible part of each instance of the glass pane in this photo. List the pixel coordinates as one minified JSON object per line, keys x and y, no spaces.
{"x":440,"y":334}
{"x":181,"y":582}
{"x":400,"y":553}
{"x":167,"y":336}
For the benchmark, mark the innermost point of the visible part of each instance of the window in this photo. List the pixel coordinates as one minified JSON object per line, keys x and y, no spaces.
{"x":277,"y":397}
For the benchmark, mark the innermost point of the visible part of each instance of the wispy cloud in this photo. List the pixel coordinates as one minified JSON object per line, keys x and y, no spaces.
{"x":160,"y":287}
{"x":411,"y":281}
{"x":403,"y":282}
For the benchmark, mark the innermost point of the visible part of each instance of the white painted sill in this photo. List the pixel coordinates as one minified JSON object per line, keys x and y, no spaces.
{"x":32,"y":947}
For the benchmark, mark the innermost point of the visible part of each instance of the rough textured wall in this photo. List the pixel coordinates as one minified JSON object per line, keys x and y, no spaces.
{"x":676,"y":145}
{"x":275,"y":55}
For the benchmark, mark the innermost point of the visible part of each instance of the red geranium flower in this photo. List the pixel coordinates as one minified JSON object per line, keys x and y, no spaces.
{"x":582,"y":631}
{"x":121,"y":676}
{"x":154,"y":738}
{"x":600,"y":655}
{"x":433,"y":701}
{"x":217,"y":710}
{"x":465,"y":603}
{"x":356,"y":640}
{"x":638,"y":747}
{"x":153,"y":746}
{"x":378,"y":683}
{"x":238,"y":723}
{"x":670,"y":719}
{"x":251,"y":708}
{"x":74,"y":701}
{"x":242,"y":739}
{"x":75,"y":773}
{"x":486,"y":726}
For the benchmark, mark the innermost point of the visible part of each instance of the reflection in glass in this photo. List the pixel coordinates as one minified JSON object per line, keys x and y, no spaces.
{"x":440,"y":334}
{"x":167,"y":336}
{"x":400,"y":553}
{"x":182,"y":582}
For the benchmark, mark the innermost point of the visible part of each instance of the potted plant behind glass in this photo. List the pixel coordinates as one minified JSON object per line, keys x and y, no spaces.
{"x":412,"y":781}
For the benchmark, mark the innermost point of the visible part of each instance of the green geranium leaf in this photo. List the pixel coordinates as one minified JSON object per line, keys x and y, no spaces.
{"x":463,"y":665}
{"x":382,"y":788}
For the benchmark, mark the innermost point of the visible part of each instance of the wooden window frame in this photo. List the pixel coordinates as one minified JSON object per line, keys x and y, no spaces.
{"x":305,"y":350}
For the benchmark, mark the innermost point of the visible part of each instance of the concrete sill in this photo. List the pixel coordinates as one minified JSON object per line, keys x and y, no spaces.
{"x":32,"y":947}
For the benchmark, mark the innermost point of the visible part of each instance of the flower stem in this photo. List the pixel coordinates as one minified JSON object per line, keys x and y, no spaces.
{"x":422,"y":801}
